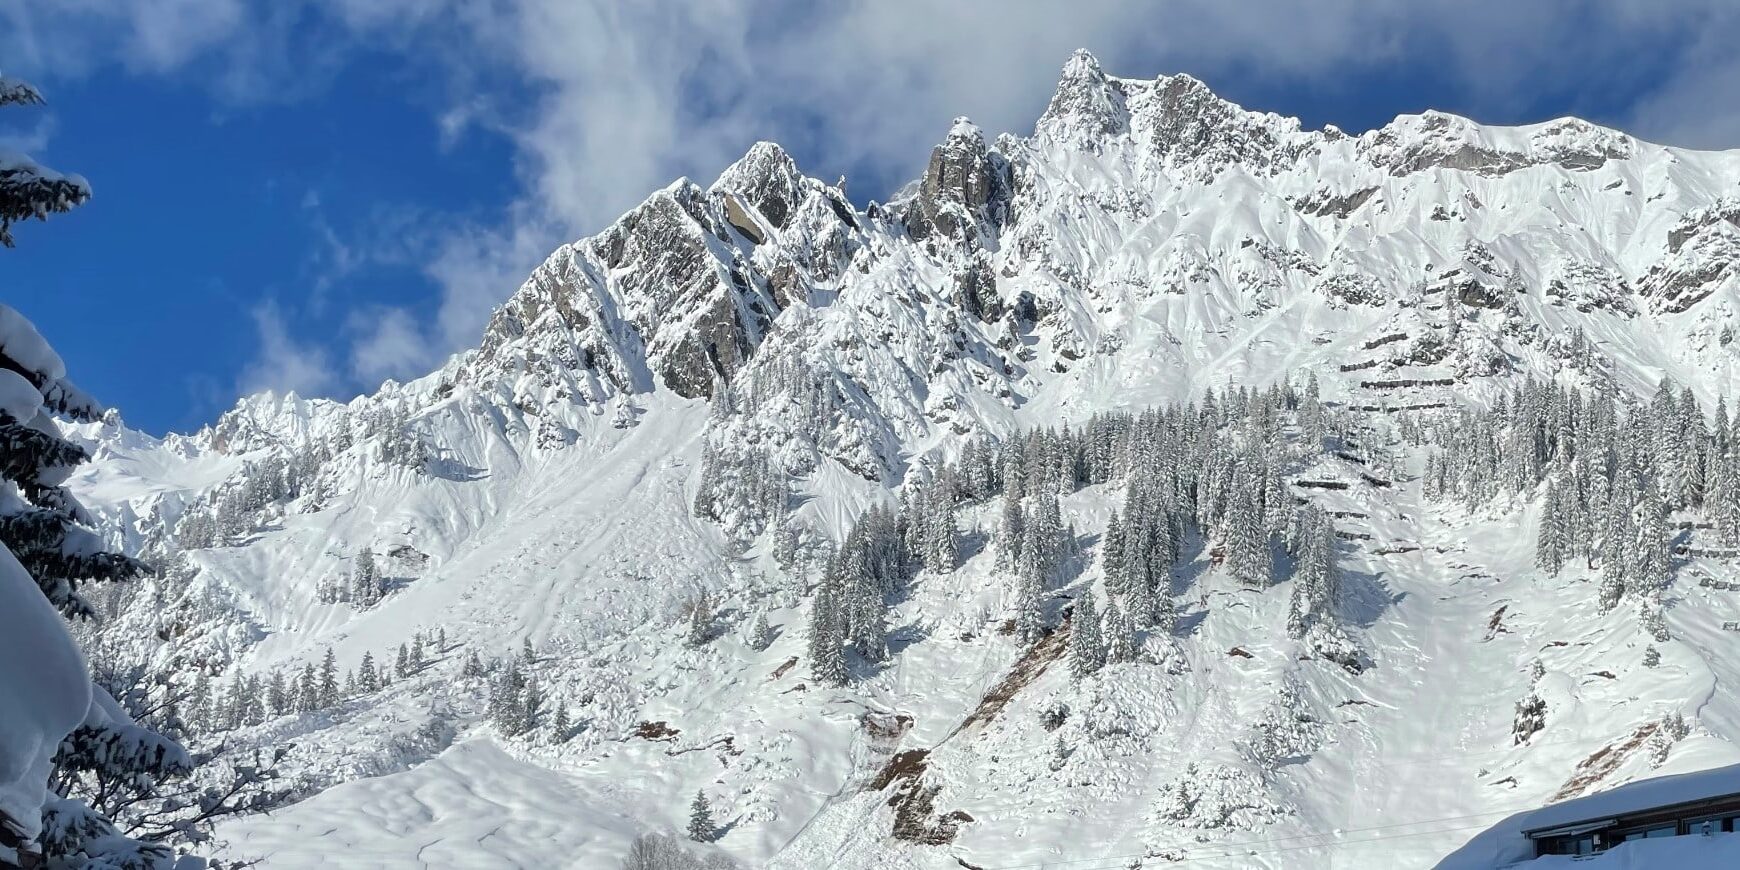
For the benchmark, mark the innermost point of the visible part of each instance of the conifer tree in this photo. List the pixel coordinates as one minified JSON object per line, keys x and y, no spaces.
{"x":1550,"y":543}
{"x":560,"y":727}
{"x":1652,"y":543}
{"x":29,"y":190}
{"x":700,"y":625}
{"x":1615,"y":552}
{"x":702,"y":828}
{"x":760,"y":633}
{"x":1010,"y":532}
{"x":308,"y":689}
{"x":1044,"y":536}
{"x":1120,"y":634}
{"x":1029,"y":603}
{"x":507,"y":701}
{"x":826,"y":640}
{"x":327,"y":689}
{"x":1248,"y":556}
{"x":277,"y":699}
{"x":365,"y":582}
{"x":1112,"y":552}
{"x":532,"y":704}
{"x":1087,"y":652}
{"x":1311,"y":415}
{"x":367,"y":681}
{"x":1314,"y":580}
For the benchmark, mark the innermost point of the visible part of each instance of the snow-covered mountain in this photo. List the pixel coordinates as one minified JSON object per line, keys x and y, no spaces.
{"x":702,"y":398}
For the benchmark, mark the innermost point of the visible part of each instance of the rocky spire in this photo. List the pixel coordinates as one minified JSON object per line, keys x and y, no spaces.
{"x":964,"y":186}
{"x":1087,"y":105}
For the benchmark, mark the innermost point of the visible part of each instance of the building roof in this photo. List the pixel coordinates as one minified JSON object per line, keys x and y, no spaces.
{"x":1648,"y":794}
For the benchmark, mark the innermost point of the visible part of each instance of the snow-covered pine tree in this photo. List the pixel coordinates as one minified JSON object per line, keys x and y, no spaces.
{"x":560,"y":726}
{"x":1029,"y":602}
{"x":1531,"y":717}
{"x":1087,"y":651}
{"x":532,"y":705}
{"x":1314,"y":578}
{"x":1277,"y":501}
{"x":367,"y":680}
{"x":1044,"y":535}
{"x":1010,"y":531}
{"x":473,"y":665}
{"x":277,"y":699}
{"x":1616,"y":549}
{"x":702,"y":828}
{"x":1112,"y":553}
{"x":700,"y":623}
{"x":507,"y":702}
{"x":1649,"y":616}
{"x":760,"y":633}
{"x":939,"y":542}
{"x":307,"y":690}
{"x":365,"y":579}
{"x":866,"y":612}
{"x":1120,"y":634}
{"x":1719,"y":484}
{"x":1651,"y":553}
{"x":826,"y":630}
{"x":28,"y":189}
{"x":1311,"y":415}
{"x":327,"y":689}
{"x":402,"y":662}
{"x":1550,"y":541}
{"x":1248,"y":555}
{"x":46,"y":550}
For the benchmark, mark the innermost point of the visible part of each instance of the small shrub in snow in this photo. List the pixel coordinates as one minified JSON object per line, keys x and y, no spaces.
{"x":1672,"y":729}
{"x":1052,"y":717}
{"x":661,"y":852}
{"x":1214,"y":796}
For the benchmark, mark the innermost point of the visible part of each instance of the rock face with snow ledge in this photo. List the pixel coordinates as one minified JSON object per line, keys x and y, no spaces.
{"x":1149,"y":240}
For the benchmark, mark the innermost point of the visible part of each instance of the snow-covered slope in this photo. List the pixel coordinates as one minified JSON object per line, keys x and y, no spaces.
{"x":641,"y":416}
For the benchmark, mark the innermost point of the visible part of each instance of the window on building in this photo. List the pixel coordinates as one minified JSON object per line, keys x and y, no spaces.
{"x":1710,"y":824}
{"x":1669,"y":830}
{"x":1582,"y":844}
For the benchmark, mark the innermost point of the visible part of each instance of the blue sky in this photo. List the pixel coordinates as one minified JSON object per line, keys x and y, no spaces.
{"x":318,"y":194}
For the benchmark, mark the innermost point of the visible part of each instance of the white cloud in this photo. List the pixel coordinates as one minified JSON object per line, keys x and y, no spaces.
{"x":389,"y":344}
{"x":31,"y":141}
{"x":282,"y":363}
{"x":627,"y":96}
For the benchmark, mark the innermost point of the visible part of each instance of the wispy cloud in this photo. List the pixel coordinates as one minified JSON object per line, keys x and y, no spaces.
{"x":283,"y":363}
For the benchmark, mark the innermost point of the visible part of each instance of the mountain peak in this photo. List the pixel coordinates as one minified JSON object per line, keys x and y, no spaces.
{"x":1087,"y":104}
{"x":767,"y":178}
{"x":967,"y":132}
